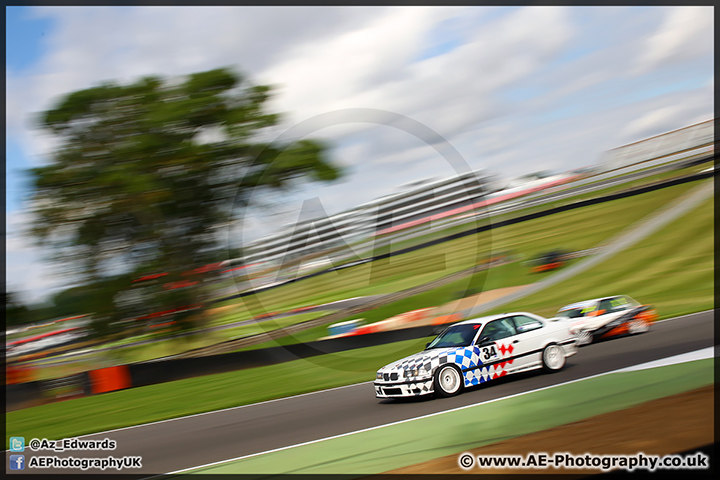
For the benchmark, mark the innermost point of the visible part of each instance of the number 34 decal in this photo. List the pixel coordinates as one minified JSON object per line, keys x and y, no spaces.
{"x":488,"y":352}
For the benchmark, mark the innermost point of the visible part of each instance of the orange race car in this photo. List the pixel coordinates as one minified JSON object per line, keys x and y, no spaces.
{"x":549,"y":261}
{"x":607,"y":317}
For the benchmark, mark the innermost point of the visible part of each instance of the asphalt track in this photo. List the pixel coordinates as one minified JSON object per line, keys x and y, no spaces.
{"x":201,"y":439}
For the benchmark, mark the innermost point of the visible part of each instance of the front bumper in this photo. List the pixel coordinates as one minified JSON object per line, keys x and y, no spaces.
{"x":571,"y":346}
{"x":411,"y":388}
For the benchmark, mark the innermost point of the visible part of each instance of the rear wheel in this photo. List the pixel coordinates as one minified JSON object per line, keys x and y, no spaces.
{"x":638,"y":325}
{"x":448,"y":381}
{"x":553,"y":358}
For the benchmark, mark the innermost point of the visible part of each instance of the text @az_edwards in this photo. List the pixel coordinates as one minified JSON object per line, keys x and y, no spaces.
{"x":71,"y":444}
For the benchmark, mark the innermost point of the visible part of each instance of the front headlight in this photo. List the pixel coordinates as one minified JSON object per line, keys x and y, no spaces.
{"x":415,"y":372}
{"x":411,"y":373}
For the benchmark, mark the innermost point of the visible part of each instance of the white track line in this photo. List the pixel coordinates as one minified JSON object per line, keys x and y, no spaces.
{"x":708,"y":352}
{"x":686,"y":357}
{"x":686,"y":315}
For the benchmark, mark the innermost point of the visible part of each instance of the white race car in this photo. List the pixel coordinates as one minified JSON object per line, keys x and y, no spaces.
{"x":607,"y":317}
{"x":475,"y":351}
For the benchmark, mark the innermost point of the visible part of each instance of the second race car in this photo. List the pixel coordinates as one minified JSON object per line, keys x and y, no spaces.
{"x":606,"y":317}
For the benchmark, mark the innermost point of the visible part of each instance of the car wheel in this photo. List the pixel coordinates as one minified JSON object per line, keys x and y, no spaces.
{"x":553,"y":358}
{"x":638,"y":326}
{"x":448,"y":381}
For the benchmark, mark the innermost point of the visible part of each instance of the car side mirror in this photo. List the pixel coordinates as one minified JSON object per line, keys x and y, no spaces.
{"x":484,"y":340}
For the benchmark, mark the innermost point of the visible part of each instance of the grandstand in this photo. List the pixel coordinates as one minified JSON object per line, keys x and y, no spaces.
{"x":420,"y":200}
{"x":681,"y":143}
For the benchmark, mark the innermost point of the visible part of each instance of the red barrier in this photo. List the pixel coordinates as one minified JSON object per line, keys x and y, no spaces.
{"x":109,"y":379}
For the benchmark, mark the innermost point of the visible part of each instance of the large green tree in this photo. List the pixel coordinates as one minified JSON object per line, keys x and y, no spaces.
{"x":145,"y":173}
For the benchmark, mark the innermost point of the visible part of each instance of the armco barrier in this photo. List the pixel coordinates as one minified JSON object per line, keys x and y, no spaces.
{"x":148,"y":373}
{"x":23,"y":395}
{"x":153,"y":372}
{"x":30,"y":394}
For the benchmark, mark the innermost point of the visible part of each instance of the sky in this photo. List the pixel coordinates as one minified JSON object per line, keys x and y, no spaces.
{"x":400,"y":94}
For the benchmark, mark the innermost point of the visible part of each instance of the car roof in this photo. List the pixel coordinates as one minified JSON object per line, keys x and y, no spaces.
{"x":585,"y":303}
{"x":491,"y":317}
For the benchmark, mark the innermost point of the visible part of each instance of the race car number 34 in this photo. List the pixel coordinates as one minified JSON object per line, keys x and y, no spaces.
{"x":488,"y":353}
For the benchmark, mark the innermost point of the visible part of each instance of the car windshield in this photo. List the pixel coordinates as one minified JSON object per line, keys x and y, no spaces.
{"x":456,"y":336}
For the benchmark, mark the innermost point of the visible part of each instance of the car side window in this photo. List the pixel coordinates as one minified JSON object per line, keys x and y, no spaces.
{"x":609,"y":305}
{"x":525,"y":324}
{"x":498,"y":329}
{"x":604,"y":306}
{"x":618,"y":304}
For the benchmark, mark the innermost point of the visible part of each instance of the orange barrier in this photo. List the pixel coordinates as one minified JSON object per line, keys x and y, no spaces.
{"x":15,"y":375}
{"x":109,"y":379}
{"x":443,"y":319}
{"x":365,"y":329}
{"x":414,"y":315}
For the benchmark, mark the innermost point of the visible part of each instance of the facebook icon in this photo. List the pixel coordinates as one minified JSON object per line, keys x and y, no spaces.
{"x":17,"y":462}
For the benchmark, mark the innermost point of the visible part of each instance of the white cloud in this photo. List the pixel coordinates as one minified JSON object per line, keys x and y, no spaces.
{"x":660,"y":115}
{"x":686,"y":33}
{"x":651,"y":120}
{"x":322,"y":76}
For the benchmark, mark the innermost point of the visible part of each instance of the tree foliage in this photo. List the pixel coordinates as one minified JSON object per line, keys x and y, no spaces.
{"x":16,"y":313}
{"x":145,"y":173}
